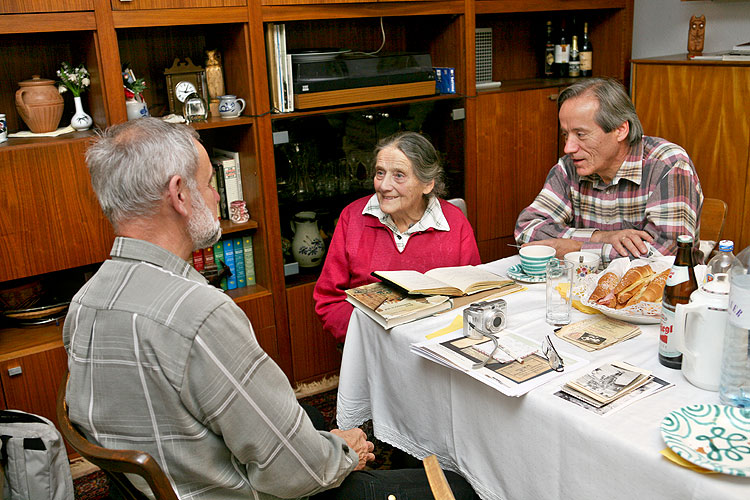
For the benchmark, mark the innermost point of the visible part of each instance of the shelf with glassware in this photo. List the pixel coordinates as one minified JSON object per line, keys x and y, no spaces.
{"x":324,"y":162}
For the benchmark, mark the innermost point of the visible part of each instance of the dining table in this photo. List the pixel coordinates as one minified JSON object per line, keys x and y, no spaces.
{"x":536,"y":446}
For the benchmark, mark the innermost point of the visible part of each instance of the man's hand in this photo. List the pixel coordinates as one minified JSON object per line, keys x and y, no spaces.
{"x":561,"y":245}
{"x":356,"y":439}
{"x":625,"y":241}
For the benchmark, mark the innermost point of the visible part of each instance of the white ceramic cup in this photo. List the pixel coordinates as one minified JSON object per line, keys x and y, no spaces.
{"x":534,"y":259}
{"x":231,"y":106}
{"x":584,"y":264}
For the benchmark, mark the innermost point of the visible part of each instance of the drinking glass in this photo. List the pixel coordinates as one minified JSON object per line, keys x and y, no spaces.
{"x":559,"y":287}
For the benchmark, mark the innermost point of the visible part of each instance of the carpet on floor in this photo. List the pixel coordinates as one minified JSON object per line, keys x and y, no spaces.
{"x":95,"y":486}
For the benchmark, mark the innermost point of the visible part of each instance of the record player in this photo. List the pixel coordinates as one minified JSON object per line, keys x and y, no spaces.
{"x":348,"y":78}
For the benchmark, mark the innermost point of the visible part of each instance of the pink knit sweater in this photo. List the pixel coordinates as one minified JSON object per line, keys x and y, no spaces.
{"x":361,"y":244}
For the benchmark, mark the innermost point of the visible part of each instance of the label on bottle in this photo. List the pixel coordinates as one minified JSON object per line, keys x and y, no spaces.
{"x":574,"y":68}
{"x":677,"y":275}
{"x":562,"y":55}
{"x":586,"y":60}
{"x":667,"y":348}
{"x":739,"y":301}
{"x":549,"y":60}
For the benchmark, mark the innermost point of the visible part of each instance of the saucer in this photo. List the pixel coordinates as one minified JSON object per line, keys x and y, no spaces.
{"x":516,"y":273}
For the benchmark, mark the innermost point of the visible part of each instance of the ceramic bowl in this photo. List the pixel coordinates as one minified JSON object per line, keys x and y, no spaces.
{"x":534,"y":259}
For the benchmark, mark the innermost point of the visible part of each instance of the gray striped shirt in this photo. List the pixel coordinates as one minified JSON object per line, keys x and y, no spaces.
{"x":162,"y":362}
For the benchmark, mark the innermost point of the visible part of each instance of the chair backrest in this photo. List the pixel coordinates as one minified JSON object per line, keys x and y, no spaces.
{"x":115,"y":463}
{"x":460,"y":203}
{"x":439,"y":486}
{"x":713,"y":215}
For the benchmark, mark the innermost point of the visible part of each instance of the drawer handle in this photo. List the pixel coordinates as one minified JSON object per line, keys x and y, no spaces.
{"x":552,"y":97}
{"x":16,"y":370}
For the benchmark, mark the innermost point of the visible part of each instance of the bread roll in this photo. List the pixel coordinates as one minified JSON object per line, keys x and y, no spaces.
{"x":633,"y":276}
{"x":653,"y":291}
{"x":606,"y":284}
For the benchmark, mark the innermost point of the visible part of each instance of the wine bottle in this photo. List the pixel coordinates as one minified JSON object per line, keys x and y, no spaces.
{"x":574,"y":64}
{"x":585,"y":53}
{"x":562,"y":54}
{"x":680,"y":284}
{"x":549,"y":53}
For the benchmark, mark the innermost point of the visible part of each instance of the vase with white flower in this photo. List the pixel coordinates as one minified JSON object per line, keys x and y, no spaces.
{"x":76,"y":80}
{"x":135,"y":104}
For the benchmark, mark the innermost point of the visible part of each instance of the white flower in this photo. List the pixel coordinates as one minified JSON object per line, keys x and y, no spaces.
{"x":85,"y":82}
{"x":62,"y":88}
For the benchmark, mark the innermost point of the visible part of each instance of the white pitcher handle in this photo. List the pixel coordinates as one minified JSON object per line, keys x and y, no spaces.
{"x":681,"y":313}
{"x":240,"y":99}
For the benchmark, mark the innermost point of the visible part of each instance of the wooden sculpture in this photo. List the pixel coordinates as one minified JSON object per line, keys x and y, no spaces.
{"x":696,"y":35}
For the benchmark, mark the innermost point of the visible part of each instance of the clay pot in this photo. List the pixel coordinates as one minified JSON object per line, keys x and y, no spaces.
{"x":40,"y":104}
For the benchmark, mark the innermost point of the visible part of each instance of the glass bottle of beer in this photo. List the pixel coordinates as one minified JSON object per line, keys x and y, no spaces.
{"x":680,"y":284}
{"x":586,"y":52}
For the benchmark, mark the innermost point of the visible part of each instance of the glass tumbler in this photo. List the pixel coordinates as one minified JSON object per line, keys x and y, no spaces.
{"x":559,"y":286}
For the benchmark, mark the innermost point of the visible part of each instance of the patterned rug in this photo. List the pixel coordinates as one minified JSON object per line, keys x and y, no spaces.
{"x":95,"y":486}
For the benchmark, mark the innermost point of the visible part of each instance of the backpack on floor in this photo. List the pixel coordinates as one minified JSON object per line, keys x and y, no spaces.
{"x":34,"y":458}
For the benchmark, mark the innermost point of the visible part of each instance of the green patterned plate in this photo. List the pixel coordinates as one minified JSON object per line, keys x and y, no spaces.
{"x":714,"y":437}
{"x":516,"y":273}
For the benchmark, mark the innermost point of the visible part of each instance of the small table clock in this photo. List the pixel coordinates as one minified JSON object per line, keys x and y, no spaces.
{"x":183,"y":79}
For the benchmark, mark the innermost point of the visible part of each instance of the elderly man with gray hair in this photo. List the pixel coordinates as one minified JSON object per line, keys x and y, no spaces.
{"x":161,"y":361}
{"x":615,"y":190}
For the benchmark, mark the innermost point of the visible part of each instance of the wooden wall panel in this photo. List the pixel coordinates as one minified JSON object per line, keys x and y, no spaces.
{"x":703,"y":108}
{"x":314,"y":352}
{"x":21,"y":6}
{"x":50,"y":218}
{"x":174,"y":4}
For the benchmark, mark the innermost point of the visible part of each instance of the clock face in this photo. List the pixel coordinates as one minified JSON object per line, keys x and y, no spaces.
{"x":183,"y":89}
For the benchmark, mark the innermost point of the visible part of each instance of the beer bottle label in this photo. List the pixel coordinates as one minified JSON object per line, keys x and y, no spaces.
{"x":677,"y":275}
{"x":666,"y":336}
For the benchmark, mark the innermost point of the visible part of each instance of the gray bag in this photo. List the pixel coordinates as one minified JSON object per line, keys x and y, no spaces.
{"x":34,"y":458}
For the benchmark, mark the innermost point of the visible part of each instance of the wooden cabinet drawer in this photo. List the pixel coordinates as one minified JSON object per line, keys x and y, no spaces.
{"x":173,"y":4}
{"x":28,"y":6}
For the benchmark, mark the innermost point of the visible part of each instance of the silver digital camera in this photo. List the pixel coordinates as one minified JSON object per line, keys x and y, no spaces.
{"x":485,"y":318}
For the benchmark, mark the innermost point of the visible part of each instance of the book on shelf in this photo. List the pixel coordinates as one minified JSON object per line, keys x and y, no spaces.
{"x":607,"y":383}
{"x":229,"y":261}
{"x":236,"y":157}
{"x":515,"y":369}
{"x":454,"y":281}
{"x":736,"y":56}
{"x":228,"y":168}
{"x":198,"y":260}
{"x":390,"y":307}
{"x":247,"y":245}
{"x":220,"y":262}
{"x":219,"y":178}
{"x":209,"y":264}
{"x":742,"y":47}
{"x":239,"y":262}
{"x":273,"y":68}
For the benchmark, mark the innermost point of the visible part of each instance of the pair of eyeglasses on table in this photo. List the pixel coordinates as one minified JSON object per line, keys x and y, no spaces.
{"x":555,"y":360}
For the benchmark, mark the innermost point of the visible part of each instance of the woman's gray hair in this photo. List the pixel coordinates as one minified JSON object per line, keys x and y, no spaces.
{"x":615,"y":107}
{"x":131,"y":164}
{"x":421,"y":154}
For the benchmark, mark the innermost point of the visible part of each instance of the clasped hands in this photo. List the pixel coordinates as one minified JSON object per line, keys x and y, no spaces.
{"x":356,"y":439}
{"x":626,"y":242}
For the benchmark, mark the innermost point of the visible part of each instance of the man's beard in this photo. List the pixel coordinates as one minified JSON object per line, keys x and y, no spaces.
{"x":203,"y":227}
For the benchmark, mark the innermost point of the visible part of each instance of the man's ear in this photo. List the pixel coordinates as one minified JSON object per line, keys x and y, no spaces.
{"x":622,"y":131}
{"x":177,"y":195}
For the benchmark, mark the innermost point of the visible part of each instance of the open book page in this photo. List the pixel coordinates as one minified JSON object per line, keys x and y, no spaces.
{"x":510,"y":377}
{"x":454,"y":281}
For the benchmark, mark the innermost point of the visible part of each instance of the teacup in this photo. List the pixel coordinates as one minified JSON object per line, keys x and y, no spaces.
{"x":231,"y":106}
{"x":534,"y":259}
{"x":584,"y":264}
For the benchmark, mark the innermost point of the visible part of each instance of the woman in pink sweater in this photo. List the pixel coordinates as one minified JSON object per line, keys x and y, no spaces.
{"x":404,"y":225}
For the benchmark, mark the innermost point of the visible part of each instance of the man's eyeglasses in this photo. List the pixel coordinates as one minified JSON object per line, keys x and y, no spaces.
{"x":549,"y":351}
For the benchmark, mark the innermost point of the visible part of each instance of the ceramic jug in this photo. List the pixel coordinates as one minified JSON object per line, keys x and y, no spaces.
{"x":307,"y":246}
{"x":699,"y":333}
{"x":40,"y":104}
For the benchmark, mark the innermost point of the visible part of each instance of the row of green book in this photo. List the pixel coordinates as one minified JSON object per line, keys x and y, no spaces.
{"x":234,"y":254}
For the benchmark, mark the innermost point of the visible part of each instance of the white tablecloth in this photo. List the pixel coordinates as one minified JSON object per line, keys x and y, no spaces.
{"x":537,"y":446}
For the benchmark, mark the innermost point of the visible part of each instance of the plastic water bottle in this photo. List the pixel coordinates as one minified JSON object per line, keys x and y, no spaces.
{"x":721,"y":262}
{"x":734,"y":388}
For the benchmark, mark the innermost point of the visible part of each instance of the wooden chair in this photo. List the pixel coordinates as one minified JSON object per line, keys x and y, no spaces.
{"x":115,"y":463}
{"x":713,"y":215}
{"x":441,"y":490}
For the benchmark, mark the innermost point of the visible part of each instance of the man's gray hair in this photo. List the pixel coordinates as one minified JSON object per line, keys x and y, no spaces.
{"x":421,"y":154}
{"x":615,"y":106}
{"x":131,"y":164}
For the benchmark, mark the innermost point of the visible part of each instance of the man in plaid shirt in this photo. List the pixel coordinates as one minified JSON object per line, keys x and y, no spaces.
{"x":615,"y":190}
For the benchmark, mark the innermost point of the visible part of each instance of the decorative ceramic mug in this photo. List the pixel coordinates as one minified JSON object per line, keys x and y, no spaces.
{"x":231,"y":106}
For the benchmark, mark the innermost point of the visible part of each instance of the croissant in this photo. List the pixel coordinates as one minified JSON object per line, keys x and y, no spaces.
{"x":653,"y":291}
{"x":605,"y":285}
